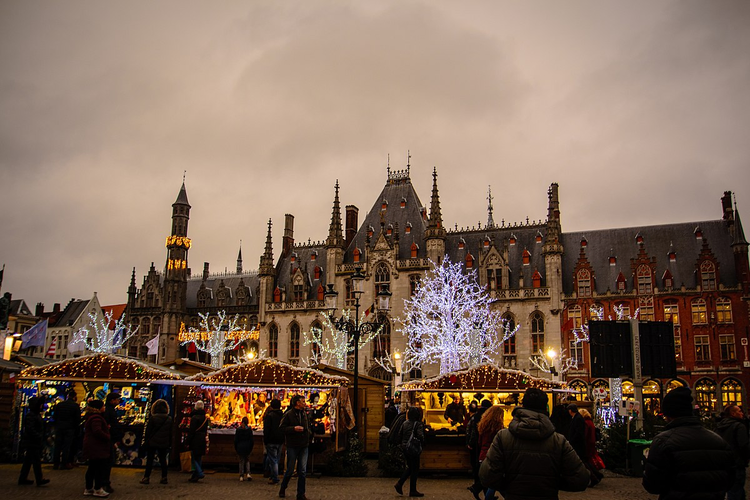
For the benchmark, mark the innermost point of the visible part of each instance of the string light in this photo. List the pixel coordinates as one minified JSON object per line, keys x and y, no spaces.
{"x":485,"y":377}
{"x":268,"y":372}
{"x":334,"y":348}
{"x":103,"y":340}
{"x":450,"y":321}
{"x":581,"y":333}
{"x":217,"y":336}
{"x":98,"y":366}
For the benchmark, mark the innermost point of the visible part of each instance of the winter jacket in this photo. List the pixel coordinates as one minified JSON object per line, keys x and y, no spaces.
{"x":530,"y":461}
{"x":590,"y":439}
{"x":687,"y":461}
{"x":243,"y":441}
{"x":32,"y":437}
{"x":577,"y":435}
{"x":116,"y":431}
{"x":158,"y":433}
{"x":289,"y":421}
{"x":472,"y":431}
{"x":198,"y":432}
{"x":67,"y":415}
{"x":96,"y":436}
{"x":272,"y":427}
{"x":484,"y":443}
{"x":406,"y":431}
{"x":734,"y":432}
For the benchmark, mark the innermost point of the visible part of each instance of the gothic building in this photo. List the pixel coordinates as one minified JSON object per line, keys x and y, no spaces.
{"x":537,"y":274}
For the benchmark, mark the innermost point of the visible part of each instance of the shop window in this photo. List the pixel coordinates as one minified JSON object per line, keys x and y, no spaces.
{"x":705,"y":395}
{"x":645,"y":279}
{"x":671,"y":312}
{"x":727,"y":347}
{"x":698,"y":309}
{"x":708,"y":275}
{"x":294,"y":337}
{"x":583,"y":282}
{"x":627,"y":389}
{"x":580,"y":390}
{"x":702,"y":348}
{"x":273,"y":341}
{"x":600,"y":384}
{"x":674,"y":384}
{"x":731,"y":392}
{"x":723,"y":310}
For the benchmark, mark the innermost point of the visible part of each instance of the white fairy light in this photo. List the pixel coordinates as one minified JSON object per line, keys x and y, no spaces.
{"x":333,"y":344}
{"x":99,"y":338}
{"x":216,"y":336}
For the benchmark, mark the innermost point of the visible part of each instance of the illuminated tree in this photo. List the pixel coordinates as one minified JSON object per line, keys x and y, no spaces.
{"x":333,"y":348}
{"x":450,"y":321}
{"x":216,"y":336}
{"x":581,"y":333}
{"x":98,"y":337}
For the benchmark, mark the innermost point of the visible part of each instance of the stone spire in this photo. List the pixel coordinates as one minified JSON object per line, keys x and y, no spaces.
{"x":490,"y":220}
{"x":239,"y":260}
{"x":335,"y":233}
{"x":266,"y":260}
{"x":435,"y":227}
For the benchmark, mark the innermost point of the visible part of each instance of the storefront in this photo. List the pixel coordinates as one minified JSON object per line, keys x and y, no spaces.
{"x":94,"y":376}
{"x":246,"y":390}
{"x":445,"y":400}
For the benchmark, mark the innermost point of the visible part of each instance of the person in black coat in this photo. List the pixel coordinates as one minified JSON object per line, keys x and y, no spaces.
{"x":577,"y":432}
{"x":413,"y":428}
{"x":472,"y":443}
{"x":273,"y":439}
{"x":391,"y":412}
{"x":243,"y":445}
{"x":732,"y":430}
{"x":116,"y":433}
{"x":32,"y":443}
{"x":67,"y":420}
{"x":686,"y":460}
{"x":197,"y":436}
{"x":158,"y":439}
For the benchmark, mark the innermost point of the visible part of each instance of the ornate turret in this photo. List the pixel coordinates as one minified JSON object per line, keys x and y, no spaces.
{"x":490,"y":220}
{"x":335,"y":233}
{"x":553,"y":250}
{"x":266,"y":274}
{"x":239,"y":260}
{"x":266,"y":260}
{"x":739,"y":247}
{"x":435,"y":234}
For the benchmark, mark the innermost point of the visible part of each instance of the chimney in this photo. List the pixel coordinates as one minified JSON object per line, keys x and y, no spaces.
{"x":726,"y":205}
{"x":39,"y":309}
{"x":56,"y":308}
{"x":288,"y":240}
{"x":352,"y":216}
{"x":205,"y":271}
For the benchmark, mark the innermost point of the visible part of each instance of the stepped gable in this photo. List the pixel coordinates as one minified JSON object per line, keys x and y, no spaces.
{"x":658,"y":241}
{"x":231,"y":281}
{"x":398,"y":189}
{"x":525,"y":238}
{"x":303,"y":257}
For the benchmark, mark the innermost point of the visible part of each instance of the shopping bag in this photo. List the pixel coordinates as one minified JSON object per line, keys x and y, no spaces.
{"x":186,"y":461}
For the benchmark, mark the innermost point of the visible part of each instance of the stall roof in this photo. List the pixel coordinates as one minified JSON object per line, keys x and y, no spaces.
{"x":31,"y":360}
{"x":484,"y":377}
{"x":349,"y":375}
{"x":269,"y":372}
{"x":101,"y":367}
{"x":10,"y":366}
{"x":189,"y":367}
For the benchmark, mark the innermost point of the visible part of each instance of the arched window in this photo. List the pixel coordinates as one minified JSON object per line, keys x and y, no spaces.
{"x":708,"y":275}
{"x":674,"y":384}
{"x":705,"y":394}
{"x":382,"y":275}
{"x":469,"y":261}
{"x":731,"y":392}
{"x":601,"y":383}
{"x":413,"y":283}
{"x":698,"y":308}
{"x":723,"y":310}
{"x":645,"y":279}
{"x":509,"y":346}
{"x":315,"y":347}
{"x":381,"y":345}
{"x":537,"y":332}
{"x":652,"y":397}
{"x":145,"y":327}
{"x":273,"y":341}
{"x":580,"y":390}
{"x":583,"y":282}
{"x":294,"y":341}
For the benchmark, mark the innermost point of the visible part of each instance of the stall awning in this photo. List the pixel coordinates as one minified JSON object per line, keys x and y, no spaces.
{"x":269,"y":372}
{"x":485,"y":377}
{"x":101,"y":367}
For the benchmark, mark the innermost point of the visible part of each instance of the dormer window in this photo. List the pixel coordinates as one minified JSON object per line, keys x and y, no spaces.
{"x":321,"y":293}
{"x":316,"y":273}
{"x":461,"y":244}
{"x":672,"y":256}
{"x":384,"y":206}
{"x":277,"y":295}
{"x":370,"y":230}
{"x":639,"y":239}
{"x":538,"y":237}
{"x":313,"y":256}
{"x":667,"y":279}
{"x":469,"y":261}
{"x":356,"y":254}
{"x":389,"y":231}
{"x":414,"y":249}
{"x":408,"y":228}
{"x":294,"y":257}
{"x":621,"y":283}
{"x":512,"y":240}
{"x":526,"y":257}
{"x":584,"y":243}
{"x":403,"y":202}
{"x":612,"y":260}
{"x":536,"y":279}
{"x":698,"y":233}
{"x":486,"y":243}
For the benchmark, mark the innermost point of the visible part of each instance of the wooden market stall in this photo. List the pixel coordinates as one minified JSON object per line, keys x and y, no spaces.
{"x":372,"y":393}
{"x":445,"y":443}
{"x":139,"y":384}
{"x":246,"y":390}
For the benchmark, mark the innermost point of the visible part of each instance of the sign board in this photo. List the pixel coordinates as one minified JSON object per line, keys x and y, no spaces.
{"x":627,"y":407}
{"x":599,"y":393}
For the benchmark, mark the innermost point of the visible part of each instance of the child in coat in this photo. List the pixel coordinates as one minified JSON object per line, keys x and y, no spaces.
{"x":243,"y":445}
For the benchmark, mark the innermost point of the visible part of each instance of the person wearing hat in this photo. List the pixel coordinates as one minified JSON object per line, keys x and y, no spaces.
{"x":529,"y":460}
{"x":686,"y":460}
{"x":116,"y":432}
{"x":32,"y":443}
{"x":97,"y":449}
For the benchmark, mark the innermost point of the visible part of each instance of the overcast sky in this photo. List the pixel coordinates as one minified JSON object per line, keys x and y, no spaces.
{"x":640,"y":110}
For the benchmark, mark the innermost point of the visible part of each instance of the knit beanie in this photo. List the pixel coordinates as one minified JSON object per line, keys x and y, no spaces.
{"x":535,"y":399}
{"x":678,"y":403}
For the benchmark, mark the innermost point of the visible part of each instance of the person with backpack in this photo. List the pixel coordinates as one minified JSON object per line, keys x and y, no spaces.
{"x":412,"y":441}
{"x":197,"y":437}
{"x":158,"y":439}
{"x":243,"y":445}
{"x":273,"y":439}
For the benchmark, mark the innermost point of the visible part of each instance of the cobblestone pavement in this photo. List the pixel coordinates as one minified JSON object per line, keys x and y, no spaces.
{"x":222,"y":485}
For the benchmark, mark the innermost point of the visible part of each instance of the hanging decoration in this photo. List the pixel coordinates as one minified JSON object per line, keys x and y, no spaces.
{"x":98,"y":366}
{"x":216,"y":336}
{"x":450,"y":321}
{"x":269,"y":372}
{"x":485,"y":377}
{"x":581,"y":333}
{"x":547,"y":362}
{"x":102,"y":335}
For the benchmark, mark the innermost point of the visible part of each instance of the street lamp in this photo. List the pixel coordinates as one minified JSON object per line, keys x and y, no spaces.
{"x":356,"y":330}
{"x":552,"y":355}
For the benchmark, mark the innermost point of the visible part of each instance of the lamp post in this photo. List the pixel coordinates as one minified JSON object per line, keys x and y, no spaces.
{"x":552,"y":355}
{"x":356,"y":330}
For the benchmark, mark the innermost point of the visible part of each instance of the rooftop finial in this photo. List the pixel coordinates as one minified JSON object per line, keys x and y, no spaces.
{"x":184,"y":173}
{"x":490,"y":221}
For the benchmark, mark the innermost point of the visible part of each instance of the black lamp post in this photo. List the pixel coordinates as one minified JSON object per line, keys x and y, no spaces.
{"x":355,"y":330}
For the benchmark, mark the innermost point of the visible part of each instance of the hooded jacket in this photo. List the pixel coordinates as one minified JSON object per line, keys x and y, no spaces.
{"x":271,"y":427}
{"x":735,"y":433}
{"x":96,"y":437}
{"x":687,"y":461}
{"x":158,"y":433}
{"x":198,"y":432}
{"x":244,"y":441}
{"x":530,"y":461}
{"x":32,"y":437}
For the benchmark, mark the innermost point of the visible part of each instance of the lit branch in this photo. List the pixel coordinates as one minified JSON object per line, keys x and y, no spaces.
{"x":334,"y":347}
{"x":97,"y":336}
{"x":581,"y":333}
{"x":217,"y":336}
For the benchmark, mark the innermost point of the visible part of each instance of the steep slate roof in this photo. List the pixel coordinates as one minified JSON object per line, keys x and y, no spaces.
{"x":303,"y":258}
{"x":72,"y":312}
{"x":657,"y":241}
{"x":394,"y":191}
{"x":19,"y":307}
{"x":500,"y":238}
{"x":231,"y":281}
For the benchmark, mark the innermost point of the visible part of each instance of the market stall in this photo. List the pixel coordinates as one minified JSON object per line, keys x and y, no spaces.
{"x":246,"y":390}
{"x":445,"y":400}
{"x":138,"y":383}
